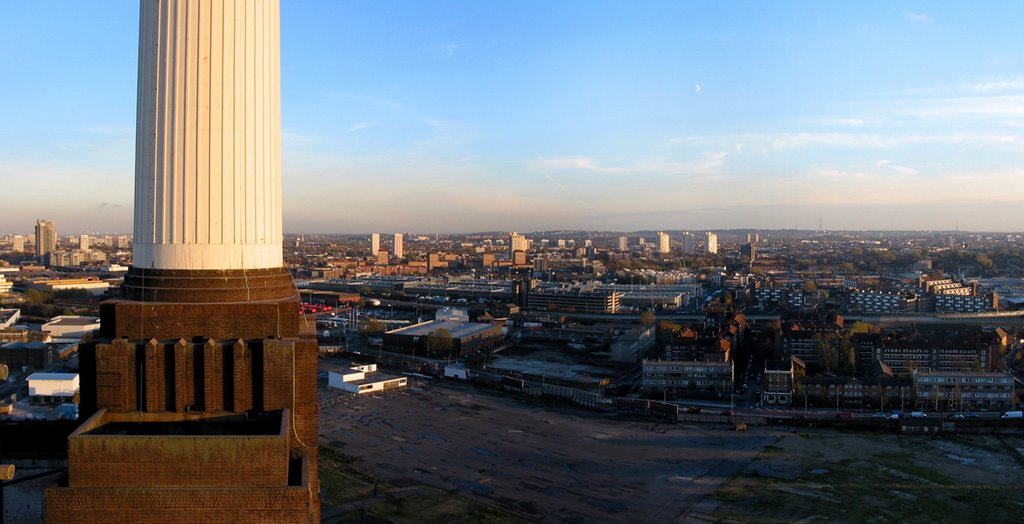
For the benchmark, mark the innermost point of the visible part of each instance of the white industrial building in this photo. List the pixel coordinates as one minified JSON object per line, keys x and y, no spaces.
{"x":362,"y":379}
{"x":53,"y":385}
{"x":70,"y":326}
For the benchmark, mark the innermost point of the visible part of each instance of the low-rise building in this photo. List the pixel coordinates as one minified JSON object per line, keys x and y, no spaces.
{"x":963,"y":390}
{"x":71,"y":326}
{"x":363,"y":379}
{"x":32,"y":354}
{"x":9,"y":317}
{"x":563,"y":299}
{"x":466,"y":337}
{"x":688,"y":378}
{"x":53,"y":386}
{"x":882,"y":302}
{"x":779,"y":378}
{"x":93,"y":286}
{"x":633,"y":344}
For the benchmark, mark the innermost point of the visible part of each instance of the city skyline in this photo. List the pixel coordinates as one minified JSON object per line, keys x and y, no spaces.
{"x":459,"y":117}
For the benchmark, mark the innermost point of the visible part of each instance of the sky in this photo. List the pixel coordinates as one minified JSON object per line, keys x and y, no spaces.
{"x":435,"y":117}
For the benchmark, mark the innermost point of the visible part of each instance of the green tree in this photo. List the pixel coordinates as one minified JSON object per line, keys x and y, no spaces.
{"x":828,"y":355}
{"x":38,"y":297}
{"x":372,"y":326}
{"x":439,"y":343}
{"x":647,"y":318}
{"x":861,"y":327}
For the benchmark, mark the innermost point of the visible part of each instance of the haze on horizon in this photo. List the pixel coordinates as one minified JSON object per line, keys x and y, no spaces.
{"x":468,"y":116}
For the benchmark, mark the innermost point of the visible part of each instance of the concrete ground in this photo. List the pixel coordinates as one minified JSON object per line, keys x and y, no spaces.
{"x":542,"y":462}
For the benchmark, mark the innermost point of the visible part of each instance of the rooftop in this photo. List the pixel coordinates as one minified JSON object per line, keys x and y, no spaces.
{"x":68,"y":320}
{"x":53,"y":376}
{"x":457,"y":329}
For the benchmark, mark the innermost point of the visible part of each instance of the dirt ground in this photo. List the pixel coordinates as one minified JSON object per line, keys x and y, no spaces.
{"x":518,"y":460}
{"x":830,"y":476}
{"x":443,"y":452}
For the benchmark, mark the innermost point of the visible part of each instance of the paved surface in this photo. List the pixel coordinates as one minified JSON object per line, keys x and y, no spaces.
{"x":547,"y":463}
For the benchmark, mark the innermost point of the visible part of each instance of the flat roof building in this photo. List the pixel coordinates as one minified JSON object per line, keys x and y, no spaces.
{"x":69,"y":326}
{"x":466,"y":337}
{"x":50,"y":385}
{"x":596,"y":301}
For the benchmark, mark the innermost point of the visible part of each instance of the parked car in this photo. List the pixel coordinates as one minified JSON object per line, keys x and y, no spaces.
{"x":1013,"y":414}
{"x":918,"y":414}
{"x":955,"y":416}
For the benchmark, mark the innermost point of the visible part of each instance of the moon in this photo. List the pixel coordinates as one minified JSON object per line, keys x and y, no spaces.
{"x":697,"y":88}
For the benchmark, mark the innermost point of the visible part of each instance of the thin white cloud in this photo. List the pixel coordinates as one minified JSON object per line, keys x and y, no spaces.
{"x":997,"y":84}
{"x":772,"y":142}
{"x":845,"y":122}
{"x":708,"y":163}
{"x":360,"y":126}
{"x":358,"y":99}
{"x":445,"y":132}
{"x":446,"y":51}
{"x":918,"y":17}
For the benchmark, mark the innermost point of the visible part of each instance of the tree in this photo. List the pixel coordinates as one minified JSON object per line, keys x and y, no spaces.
{"x":861,"y":327}
{"x":847,"y":357}
{"x":828,"y":355}
{"x":647,"y":318}
{"x":372,"y":326}
{"x":38,"y":297}
{"x":439,"y":343}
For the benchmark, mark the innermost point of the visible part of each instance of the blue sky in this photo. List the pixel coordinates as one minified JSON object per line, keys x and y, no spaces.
{"x":465,"y":116}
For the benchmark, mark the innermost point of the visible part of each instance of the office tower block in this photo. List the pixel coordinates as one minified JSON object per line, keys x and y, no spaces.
{"x":46,"y":240}
{"x":396,"y":248}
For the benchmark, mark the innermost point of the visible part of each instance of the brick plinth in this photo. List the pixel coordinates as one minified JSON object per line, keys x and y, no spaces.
{"x":207,"y":505}
{"x":180,"y":360}
{"x":211,"y":285}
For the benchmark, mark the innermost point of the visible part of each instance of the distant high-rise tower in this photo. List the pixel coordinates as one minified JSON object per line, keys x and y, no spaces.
{"x":83,"y":242}
{"x":663,"y":243}
{"x":710,"y":243}
{"x":749,"y":250}
{"x":46,"y":240}
{"x":517,"y":242}
{"x":374,"y":244}
{"x":623,"y":244}
{"x":689,"y":243}
{"x":198,"y":394}
{"x":396,"y":248}
{"x":18,"y":244}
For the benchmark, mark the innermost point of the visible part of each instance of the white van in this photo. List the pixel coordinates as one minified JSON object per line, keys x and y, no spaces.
{"x":1013,"y":414}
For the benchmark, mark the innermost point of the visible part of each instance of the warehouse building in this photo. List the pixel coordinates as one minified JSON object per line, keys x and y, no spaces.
{"x":466,"y":337}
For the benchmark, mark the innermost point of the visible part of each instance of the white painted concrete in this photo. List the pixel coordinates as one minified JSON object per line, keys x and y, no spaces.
{"x":208,"y":142}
